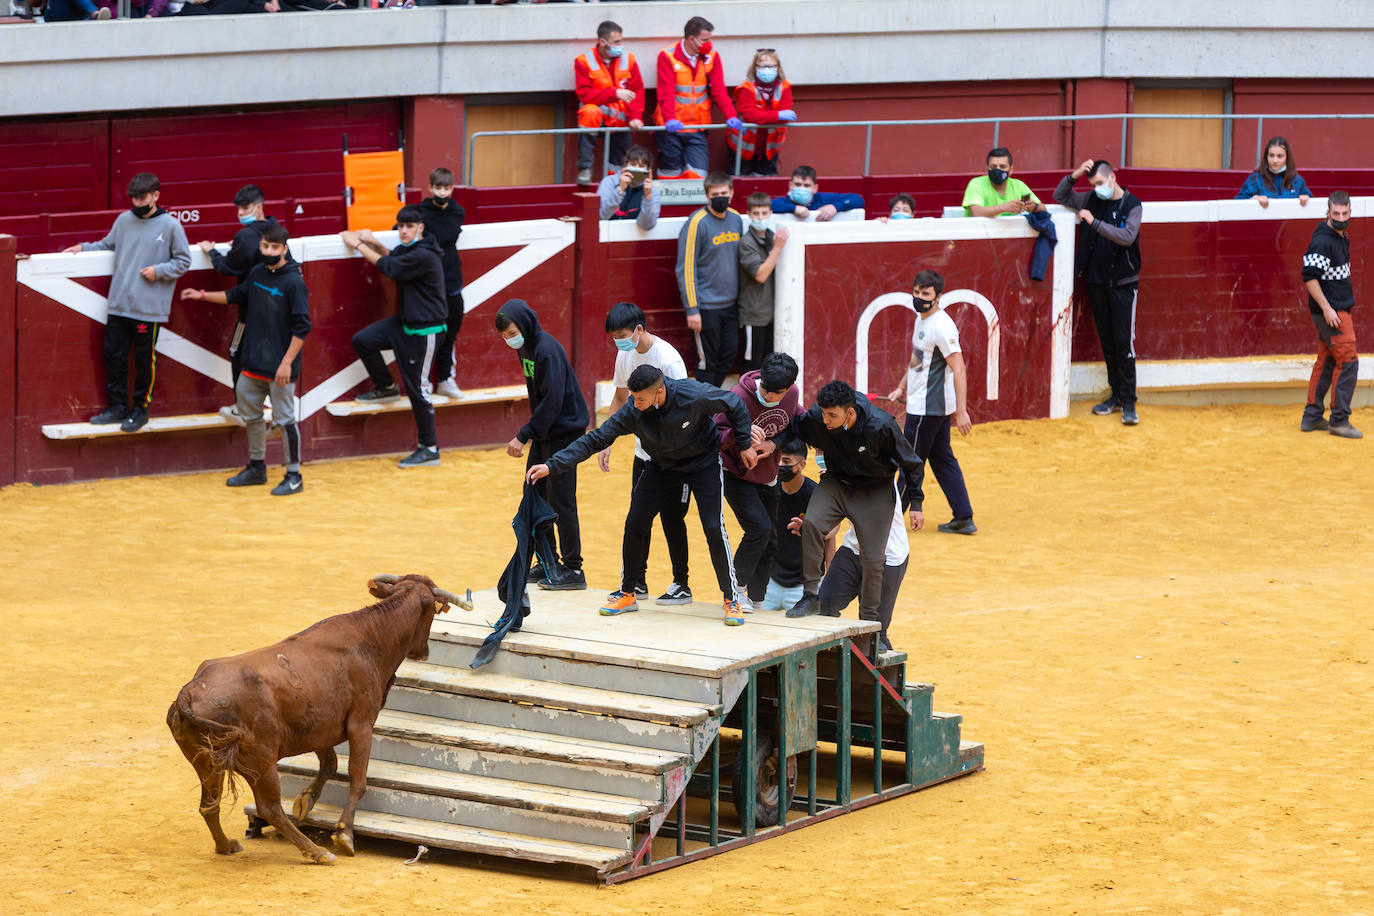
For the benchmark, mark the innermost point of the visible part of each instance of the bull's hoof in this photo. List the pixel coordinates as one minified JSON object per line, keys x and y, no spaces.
{"x":324,"y":857}
{"x":343,"y":839}
{"x":302,"y":806}
{"x":229,"y":848}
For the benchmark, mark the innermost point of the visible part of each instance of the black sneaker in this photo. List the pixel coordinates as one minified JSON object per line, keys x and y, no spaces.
{"x":422,"y":457}
{"x":676,"y":594}
{"x":1128,"y":415}
{"x":290,"y":485}
{"x":136,"y":420}
{"x":1309,"y":424}
{"x":389,"y":393}
{"x":250,"y":476}
{"x":536,"y":573}
{"x":1345,"y":431}
{"x":809,"y":604}
{"x":884,"y":645}
{"x":109,"y":416}
{"x":959,"y":526}
{"x":641,"y":590}
{"x":565,"y":580}
{"x":1109,"y":406}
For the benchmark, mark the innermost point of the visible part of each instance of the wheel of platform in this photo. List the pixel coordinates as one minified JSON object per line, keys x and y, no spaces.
{"x":766,"y":782}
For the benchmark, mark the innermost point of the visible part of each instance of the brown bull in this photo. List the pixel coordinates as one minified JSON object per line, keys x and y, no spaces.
{"x":309,"y":692}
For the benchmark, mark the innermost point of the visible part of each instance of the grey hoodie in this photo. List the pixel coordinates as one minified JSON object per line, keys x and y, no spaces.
{"x":158,"y":241}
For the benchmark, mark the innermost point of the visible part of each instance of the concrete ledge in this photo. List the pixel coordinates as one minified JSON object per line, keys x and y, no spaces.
{"x":1263,"y":379}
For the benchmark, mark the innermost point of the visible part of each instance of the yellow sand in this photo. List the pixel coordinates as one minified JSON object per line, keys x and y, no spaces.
{"x":1162,"y":635}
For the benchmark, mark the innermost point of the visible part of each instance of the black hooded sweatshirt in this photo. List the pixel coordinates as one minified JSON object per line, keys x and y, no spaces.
{"x":444,"y":225}
{"x":276,"y":308}
{"x":243,"y":253}
{"x":419,"y":276}
{"x":557,"y":407}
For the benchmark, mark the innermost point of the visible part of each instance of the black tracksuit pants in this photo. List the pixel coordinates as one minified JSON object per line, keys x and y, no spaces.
{"x":755,"y":506}
{"x":414,"y":355}
{"x":560,"y":491}
{"x":672,"y":518}
{"x":656,"y":492}
{"x":1114,"y":317}
{"x":929,"y":438}
{"x":444,"y":361}
{"x":719,"y":343}
{"x":122,"y":335}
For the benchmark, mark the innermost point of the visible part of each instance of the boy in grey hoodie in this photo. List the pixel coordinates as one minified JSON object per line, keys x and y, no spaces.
{"x":150,"y":252}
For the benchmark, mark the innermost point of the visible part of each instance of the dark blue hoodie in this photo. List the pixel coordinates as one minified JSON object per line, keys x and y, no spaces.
{"x":557,"y":407}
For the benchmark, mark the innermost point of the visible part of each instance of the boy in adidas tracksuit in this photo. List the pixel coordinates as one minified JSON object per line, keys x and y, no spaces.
{"x":150,"y":253}
{"x":276,"y":319}
{"x":414,"y":333}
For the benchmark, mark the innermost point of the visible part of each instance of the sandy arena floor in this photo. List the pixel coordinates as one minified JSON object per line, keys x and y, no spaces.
{"x":1162,"y":635}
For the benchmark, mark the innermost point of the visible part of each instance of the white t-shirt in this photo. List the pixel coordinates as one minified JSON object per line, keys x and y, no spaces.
{"x":661,"y":356}
{"x":929,"y":381}
{"x":898,"y":547}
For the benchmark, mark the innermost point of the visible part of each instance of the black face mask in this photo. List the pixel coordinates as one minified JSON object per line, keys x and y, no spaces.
{"x":922,"y":305}
{"x":1339,"y":224}
{"x":786,"y":472}
{"x":720,"y":204}
{"x":998,"y":176}
{"x":142,"y":211}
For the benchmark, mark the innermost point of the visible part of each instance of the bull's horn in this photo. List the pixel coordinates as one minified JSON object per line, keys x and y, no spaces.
{"x":449,"y":597}
{"x":388,"y":578}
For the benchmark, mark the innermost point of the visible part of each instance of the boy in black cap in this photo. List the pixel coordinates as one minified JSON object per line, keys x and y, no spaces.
{"x":413,"y":334}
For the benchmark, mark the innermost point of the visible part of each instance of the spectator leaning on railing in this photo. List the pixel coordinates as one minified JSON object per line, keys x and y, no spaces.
{"x":805,"y":199}
{"x":1276,"y":175}
{"x":629,"y":193}
{"x":997,"y":192}
{"x":690,"y":75}
{"x":765,"y":97}
{"x":610,"y":92}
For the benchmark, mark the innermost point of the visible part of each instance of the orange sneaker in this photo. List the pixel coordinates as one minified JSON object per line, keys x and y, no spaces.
{"x":619,"y":603}
{"x":734,"y":616}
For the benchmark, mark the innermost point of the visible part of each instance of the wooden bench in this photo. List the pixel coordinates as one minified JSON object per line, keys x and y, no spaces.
{"x":470,"y":396}
{"x":181,"y":424}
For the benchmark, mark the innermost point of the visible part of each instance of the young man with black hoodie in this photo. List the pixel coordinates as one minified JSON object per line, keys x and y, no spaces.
{"x":675,"y":422}
{"x":413,"y":334}
{"x":150,"y":253}
{"x":863,"y":448}
{"x":242,"y":255}
{"x":1330,"y":297}
{"x":276,"y":314}
{"x":443,"y":218}
{"x":558,"y":416}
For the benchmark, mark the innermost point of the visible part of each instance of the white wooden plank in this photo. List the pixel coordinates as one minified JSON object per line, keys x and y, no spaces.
{"x":470,"y":396}
{"x":177,"y":424}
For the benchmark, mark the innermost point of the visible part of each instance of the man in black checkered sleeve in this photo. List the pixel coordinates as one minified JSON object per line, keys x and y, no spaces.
{"x":1331,"y":296}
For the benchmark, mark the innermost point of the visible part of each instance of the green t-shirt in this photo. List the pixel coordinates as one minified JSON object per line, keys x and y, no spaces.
{"x":981,"y":192}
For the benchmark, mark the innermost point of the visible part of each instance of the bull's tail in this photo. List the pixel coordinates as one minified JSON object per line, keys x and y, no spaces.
{"x":216,"y":744}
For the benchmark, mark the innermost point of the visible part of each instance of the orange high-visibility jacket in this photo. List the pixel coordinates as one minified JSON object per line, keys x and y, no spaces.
{"x":597,"y":81}
{"x":685,"y":92}
{"x":756,"y":109}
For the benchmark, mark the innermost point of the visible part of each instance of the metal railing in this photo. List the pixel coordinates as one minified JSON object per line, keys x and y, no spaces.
{"x":1125,"y":119}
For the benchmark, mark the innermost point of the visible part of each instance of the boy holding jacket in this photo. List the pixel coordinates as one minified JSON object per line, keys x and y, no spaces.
{"x":150,"y":253}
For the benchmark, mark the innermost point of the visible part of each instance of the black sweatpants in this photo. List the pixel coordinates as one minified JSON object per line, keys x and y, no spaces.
{"x":672,"y":518}
{"x":560,"y":491}
{"x":929,"y":438}
{"x":755,"y":506}
{"x":844,"y":579}
{"x":414,"y":355}
{"x":655,"y":493}
{"x":758,"y":343}
{"x":444,"y":362}
{"x":1114,"y":317}
{"x":122,"y":335}
{"x":719,"y":343}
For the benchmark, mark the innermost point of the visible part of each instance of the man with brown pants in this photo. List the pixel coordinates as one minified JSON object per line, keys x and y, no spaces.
{"x":1331,"y":296}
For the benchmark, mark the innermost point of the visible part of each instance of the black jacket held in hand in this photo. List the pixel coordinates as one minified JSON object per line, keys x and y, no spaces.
{"x":275,"y":308}
{"x":680,"y":436}
{"x":444,"y":224}
{"x":866,"y":454}
{"x":419,"y":276}
{"x":557,"y":407}
{"x":533,"y":524}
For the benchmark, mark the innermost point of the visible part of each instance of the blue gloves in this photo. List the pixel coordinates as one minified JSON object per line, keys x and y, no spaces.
{"x":787,"y":114}
{"x":673,"y":125}
{"x":734,"y":123}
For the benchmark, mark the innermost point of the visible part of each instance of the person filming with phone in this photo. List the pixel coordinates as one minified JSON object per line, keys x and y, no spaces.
{"x":997,"y":192}
{"x":629,"y":193}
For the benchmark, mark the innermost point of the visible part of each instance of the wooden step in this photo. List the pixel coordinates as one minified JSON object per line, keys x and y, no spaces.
{"x":155,"y":424}
{"x":469,"y":839}
{"x":466,"y":682}
{"x":675,"y":739}
{"x":470,"y":397}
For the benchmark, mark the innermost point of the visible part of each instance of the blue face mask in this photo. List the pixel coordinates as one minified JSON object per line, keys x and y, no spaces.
{"x":624,"y":344}
{"x":1280,"y":170}
{"x":411,"y":242}
{"x":758,"y":393}
{"x":800,"y":196}
{"x":766,"y":74}
{"x":516,"y":342}
{"x":761,"y":225}
{"x":1104,"y":190}
{"x":248,"y":219}
{"x":900,"y":214}
{"x":614,"y":51}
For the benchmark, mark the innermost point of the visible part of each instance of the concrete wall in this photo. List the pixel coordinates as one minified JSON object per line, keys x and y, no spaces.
{"x":212,"y":61}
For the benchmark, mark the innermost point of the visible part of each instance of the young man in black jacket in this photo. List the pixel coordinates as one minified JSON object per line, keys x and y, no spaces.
{"x":1109,"y":263}
{"x":675,"y":422}
{"x":276,"y":314}
{"x":413,"y":333}
{"x":443,"y":218}
{"x":863,"y":447}
{"x":558,"y":415}
{"x":1330,"y":297}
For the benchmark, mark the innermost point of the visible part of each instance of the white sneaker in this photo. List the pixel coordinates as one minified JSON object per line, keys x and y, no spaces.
{"x":745,"y":605}
{"x":231,"y":413}
{"x":449,"y":389}
{"x":584,"y":177}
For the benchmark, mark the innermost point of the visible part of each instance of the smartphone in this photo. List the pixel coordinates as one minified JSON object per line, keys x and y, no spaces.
{"x":1025,"y":197}
{"x":636,"y":170}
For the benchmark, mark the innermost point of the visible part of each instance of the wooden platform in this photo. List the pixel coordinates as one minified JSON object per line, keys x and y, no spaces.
{"x":155,"y":424}
{"x":471,"y":396}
